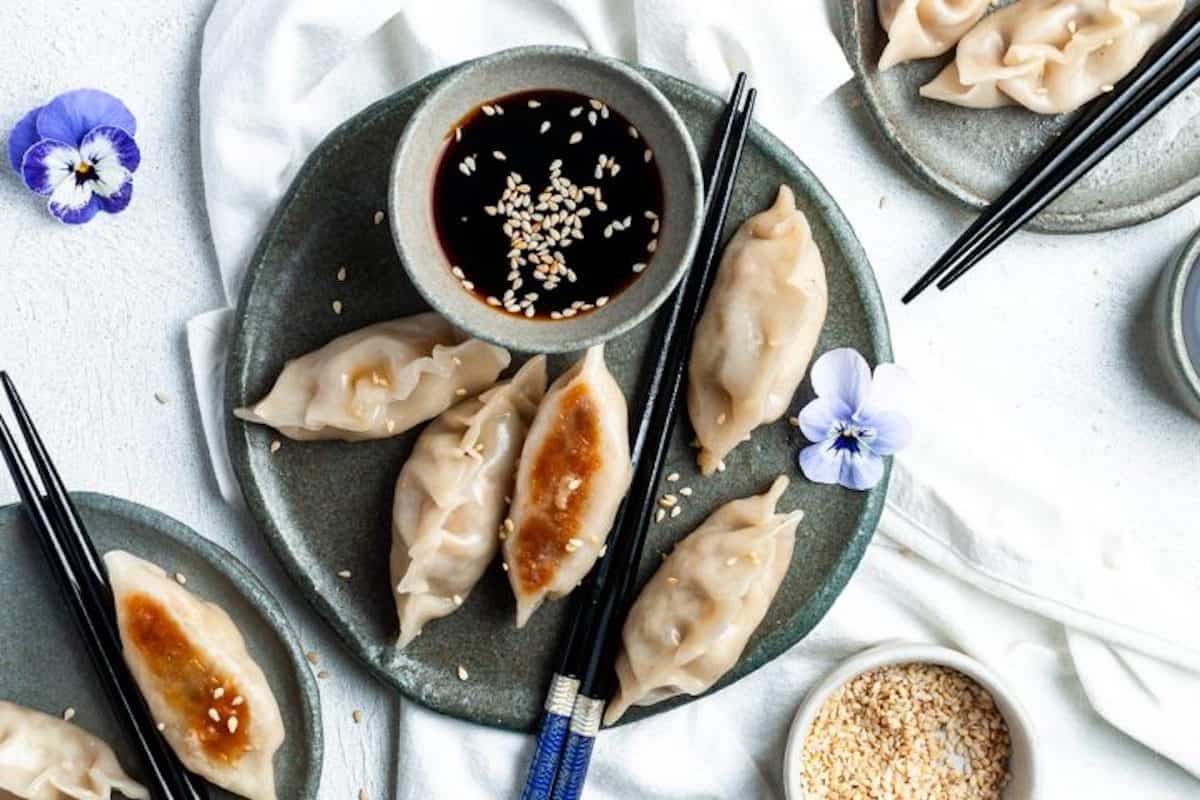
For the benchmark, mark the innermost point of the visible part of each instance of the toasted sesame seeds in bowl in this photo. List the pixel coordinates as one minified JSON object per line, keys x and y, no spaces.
{"x":545,"y":199}
{"x":910,"y":720}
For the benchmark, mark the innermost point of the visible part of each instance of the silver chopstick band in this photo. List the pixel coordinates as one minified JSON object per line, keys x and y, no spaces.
{"x":561,"y":697}
{"x":585,"y":720}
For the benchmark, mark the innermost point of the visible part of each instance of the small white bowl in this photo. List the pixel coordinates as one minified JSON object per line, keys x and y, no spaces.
{"x":1176,"y":304}
{"x":1022,"y":761}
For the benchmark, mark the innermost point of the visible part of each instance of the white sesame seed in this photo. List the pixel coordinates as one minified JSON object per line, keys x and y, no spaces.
{"x":545,"y":127}
{"x":504,"y":566}
{"x":337,"y":306}
{"x":237,"y":701}
{"x":462,"y":673}
{"x":652,"y":245}
{"x":460,"y":392}
{"x":341,"y":274}
{"x":356,"y":715}
{"x":377,"y":217}
{"x":721,"y":418}
{"x":676,"y":511}
{"x":639,"y":267}
{"x":468,"y":285}
{"x":649,"y":154}
{"x":686,"y":491}
{"x":457,"y":272}
{"x":457,"y":599}
{"x":463,"y":168}
{"x":344,"y":574}
{"x":232,"y":724}
{"x":601,"y":302}
{"x":576,"y":137}
{"x":213,"y":715}
{"x":489,"y":110}
{"x":660,"y":515}
{"x":458,"y":134}
{"x":594,"y":103}
{"x":68,"y":715}
{"x":721,"y":465}
{"x":668,"y":500}
{"x":576,"y":111}
{"x":218,"y":692}
{"x":275,"y":445}
{"x":534,"y":104}
{"x":592,"y":118}
{"x":633,"y":132}
{"x":794,"y":422}
{"x":499,"y":155}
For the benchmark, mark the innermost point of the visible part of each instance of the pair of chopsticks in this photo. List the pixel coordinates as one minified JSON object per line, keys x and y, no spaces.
{"x":82,"y":578}
{"x":1169,"y":68}
{"x":585,"y":679}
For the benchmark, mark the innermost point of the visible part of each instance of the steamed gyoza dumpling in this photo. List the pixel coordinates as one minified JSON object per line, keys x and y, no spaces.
{"x":757,"y":334}
{"x":451,"y":498}
{"x":575,"y":470}
{"x":190,"y":663}
{"x":691,"y":622}
{"x":925,"y":28}
{"x":1051,"y":56}
{"x":44,"y":758}
{"x":378,"y":381}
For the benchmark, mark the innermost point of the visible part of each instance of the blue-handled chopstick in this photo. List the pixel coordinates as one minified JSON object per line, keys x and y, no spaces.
{"x":77,"y":568}
{"x":664,"y":399}
{"x":564,"y":747}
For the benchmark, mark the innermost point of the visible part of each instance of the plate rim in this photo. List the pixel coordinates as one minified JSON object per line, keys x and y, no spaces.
{"x":1108,"y":218}
{"x":248,"y":585}
{"x":372,"y":655}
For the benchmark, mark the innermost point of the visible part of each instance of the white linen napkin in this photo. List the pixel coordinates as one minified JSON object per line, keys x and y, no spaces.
{"x":1008,"y":563}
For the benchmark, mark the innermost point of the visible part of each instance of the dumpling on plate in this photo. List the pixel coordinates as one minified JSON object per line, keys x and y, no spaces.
{"x":191,"y":664}
{"x":451,"y":498}
{"x":44,"y":758}
{"x":691,"y":622}
{"x":378,"y":381}
{"x":758,"y":331}
{"x":1051,"y":56}
{"x":925,"y":28}
{"x":575,"y":470}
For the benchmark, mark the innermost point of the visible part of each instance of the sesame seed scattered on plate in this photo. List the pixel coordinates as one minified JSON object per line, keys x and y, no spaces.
{"x":356,"y":715}
{"x":275,"y":445}
{"x":161,"y":397}
{"x":312,"y":657}
{"x":462,"y":673}
{"x":323,"y":675}
{"x":337,"y":306}
{"x":345,"y":574}
{"x":68,"y":715}
{"x":378,"y":217}
{"x":180,"y":578}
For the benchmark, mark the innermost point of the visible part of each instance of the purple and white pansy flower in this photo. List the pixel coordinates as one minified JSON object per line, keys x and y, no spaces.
{"x":78,"y":151}
{"x":855,"y":420}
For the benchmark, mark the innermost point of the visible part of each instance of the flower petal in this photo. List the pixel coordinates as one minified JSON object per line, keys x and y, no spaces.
{"x":893,"y":432}
{"x":74,"y":202}
{"x":862,"y":470}
{"x":116,"y":202}
{"x":892,"y":389}
{"x":114,"y":155}
{"x":70,"y":116}
{"x":48,"y":164}
{"x":23,"y":136}
{"x":822,"y":462}
{"x":842,"y":374}
{"x":821,"y":418}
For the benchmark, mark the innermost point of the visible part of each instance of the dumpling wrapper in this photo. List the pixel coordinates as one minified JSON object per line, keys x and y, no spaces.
{"x":925,"y":28}
{"x":1051,"y":56}
{"x":575,"y":469}
{"x":691,"y":622}
{"x":450,"y":498}
{"x":378,"y":381}
{"x":45,"y":758}
{"x":189,"y":661}
{"x":758,"y":331}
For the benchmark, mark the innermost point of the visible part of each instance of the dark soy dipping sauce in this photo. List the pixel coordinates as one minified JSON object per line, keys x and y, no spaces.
{"x":522,"y":215}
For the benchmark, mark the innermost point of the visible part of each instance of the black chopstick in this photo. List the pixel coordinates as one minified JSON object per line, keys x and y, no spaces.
{"x":564,"y":684}
{"x":600,"y":634}
{"x":66,"y":545}
{"x":1170,"y":66}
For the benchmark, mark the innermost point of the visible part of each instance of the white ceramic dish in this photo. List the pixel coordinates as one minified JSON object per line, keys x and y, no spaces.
{"x":1023,"y":762}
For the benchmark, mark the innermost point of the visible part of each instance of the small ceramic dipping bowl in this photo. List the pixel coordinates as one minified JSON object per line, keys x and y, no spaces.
{"x":1177,"y":325}
{"x":1023,"y":766}
{"x":478,"y":87}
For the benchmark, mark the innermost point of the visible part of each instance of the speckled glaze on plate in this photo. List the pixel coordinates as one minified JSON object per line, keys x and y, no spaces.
{"x":44,"y":663}
{"x":974,"y":154}
{"x":326,"y":506}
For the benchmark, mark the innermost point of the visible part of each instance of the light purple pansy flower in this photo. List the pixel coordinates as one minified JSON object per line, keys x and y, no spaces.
{"x":855,"y":420}
{"x":77,"y":150}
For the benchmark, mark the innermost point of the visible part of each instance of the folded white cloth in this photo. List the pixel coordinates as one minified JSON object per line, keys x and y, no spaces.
{"x":985,"y":548}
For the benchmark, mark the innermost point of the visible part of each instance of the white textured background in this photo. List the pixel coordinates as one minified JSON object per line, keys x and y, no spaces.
{"x":1055,"y":330}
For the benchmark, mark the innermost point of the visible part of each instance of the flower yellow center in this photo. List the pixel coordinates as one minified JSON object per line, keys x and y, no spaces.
{"x":84,"y":169}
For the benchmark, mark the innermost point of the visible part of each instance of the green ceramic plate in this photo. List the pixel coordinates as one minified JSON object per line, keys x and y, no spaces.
{"x":974,"y":154}
{"x":44,"y":663}
{"x":325,"y":506}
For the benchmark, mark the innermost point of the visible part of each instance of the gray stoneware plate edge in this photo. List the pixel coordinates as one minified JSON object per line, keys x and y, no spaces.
{"x":378,"y":655}
{"x":304,"y":739}
{"x":859,"y":16}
